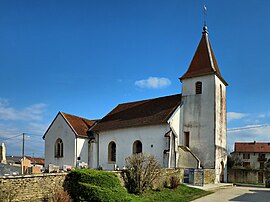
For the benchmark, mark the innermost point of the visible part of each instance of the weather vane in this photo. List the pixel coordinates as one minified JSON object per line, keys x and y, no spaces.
{"x":204,"y":15}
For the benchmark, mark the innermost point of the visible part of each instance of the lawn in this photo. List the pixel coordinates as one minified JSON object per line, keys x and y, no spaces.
{"x":103,"y":186}
{"x":182,"y":193}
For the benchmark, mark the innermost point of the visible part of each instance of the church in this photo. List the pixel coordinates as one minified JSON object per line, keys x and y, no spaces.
{"x":186,"y":130}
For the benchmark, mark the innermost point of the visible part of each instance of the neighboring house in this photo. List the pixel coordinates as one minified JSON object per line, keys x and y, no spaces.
{"x":182,"y":130}
{"x":251,"y":155}
{"x":14,"y":160}
{"x":66,"y":141}
{"x":251,"y":162}
{"x":29,"y":161}
{"x":36,"y":161}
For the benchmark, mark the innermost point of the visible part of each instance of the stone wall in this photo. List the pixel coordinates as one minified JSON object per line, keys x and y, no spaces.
{"x":247,"y":175}
{"x":40,"y":187}
{"x":166,"y":175}
{"x":30,"y":187}
{"x":209,"y":176}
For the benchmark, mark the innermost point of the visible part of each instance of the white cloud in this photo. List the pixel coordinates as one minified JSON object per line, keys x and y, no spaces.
{"x":11,"y":135}
{"x":153,"y":83}
{"x":33,"y":112}
{"x":248,"y":133}
{"x":234,"y":116}
{"x":38,"y":128}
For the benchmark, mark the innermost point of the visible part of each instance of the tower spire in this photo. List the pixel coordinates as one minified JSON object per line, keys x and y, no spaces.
{"x":205,"y":31}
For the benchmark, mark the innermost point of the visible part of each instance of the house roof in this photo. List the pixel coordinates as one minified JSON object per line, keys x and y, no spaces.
{"x":139,"y":113}
{"x":79,"y":124}
{"x":36,"y":160}
{"x":17,"y":159}
{"x":13,"y":159}
{"x":204,"y":61}
{"x":263,"y":147}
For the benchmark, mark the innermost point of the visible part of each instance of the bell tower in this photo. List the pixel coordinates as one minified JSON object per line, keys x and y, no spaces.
{"x":203,"y":109}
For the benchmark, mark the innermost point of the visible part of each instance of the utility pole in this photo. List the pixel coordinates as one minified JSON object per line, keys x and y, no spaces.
{"x":22,"y":162}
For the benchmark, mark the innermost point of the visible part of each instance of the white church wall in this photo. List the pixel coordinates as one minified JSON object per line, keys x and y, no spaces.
{"x":60,"y":129}
{"x":152,"y":138}
{"x":82,"y":150}
{"x":220,"y":139}
{"x":198,"y":118}
{"x":174,"y":123}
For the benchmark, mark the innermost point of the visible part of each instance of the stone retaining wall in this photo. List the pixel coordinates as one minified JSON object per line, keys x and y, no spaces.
{"x":30,"y":187}
{"x":40,"y":187}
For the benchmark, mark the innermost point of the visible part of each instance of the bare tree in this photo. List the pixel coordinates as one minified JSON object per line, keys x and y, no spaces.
{"x":141,"y":171}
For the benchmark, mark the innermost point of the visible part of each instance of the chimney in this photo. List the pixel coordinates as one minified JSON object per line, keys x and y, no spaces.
{"x":3,"y":154}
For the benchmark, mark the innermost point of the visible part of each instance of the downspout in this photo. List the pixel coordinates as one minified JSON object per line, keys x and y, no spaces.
{"x":76,"y":157}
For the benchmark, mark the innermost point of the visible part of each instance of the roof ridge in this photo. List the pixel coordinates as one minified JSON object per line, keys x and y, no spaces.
{"x":149,"y":99}
{"x":64,"y":113}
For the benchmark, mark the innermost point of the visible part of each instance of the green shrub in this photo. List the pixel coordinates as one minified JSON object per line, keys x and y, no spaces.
{"x":95,"y":185}
{"x":91,"y":192}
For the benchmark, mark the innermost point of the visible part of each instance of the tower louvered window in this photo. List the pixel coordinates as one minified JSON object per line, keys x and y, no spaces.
{"x":199,"y":87}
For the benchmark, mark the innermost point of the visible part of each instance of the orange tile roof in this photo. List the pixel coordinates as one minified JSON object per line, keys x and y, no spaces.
{"x":262,"y":147}
{"x":140,"y":113}
{"x":79,"y":124}
{"x":204,"y":61}
{"x":36,"y":160}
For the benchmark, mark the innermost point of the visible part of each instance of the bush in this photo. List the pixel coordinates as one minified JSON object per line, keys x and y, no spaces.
{"x":141,"y":171}
{"x":96,"y":185}
{"x":60,"y":195}
{"x":175,"y":182}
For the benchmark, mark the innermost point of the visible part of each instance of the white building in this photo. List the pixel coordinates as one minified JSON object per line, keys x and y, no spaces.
{"x":66,"y":141}
{"x":252,"y":155}
{"x":182,"y":130}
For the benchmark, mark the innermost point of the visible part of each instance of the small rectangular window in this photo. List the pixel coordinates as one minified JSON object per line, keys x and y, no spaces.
{"x":186,"y":139}
{"x":198,"y":87}
{"x":246,"y":156}
{"x":246,"y":164}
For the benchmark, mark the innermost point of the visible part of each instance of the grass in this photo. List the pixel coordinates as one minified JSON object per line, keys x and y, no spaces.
{"x":181,"y":194}
{"x":103,"y":186}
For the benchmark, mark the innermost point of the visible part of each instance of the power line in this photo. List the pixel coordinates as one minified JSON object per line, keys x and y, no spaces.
{"x":10,"y":137}
{"x":248,"y":127}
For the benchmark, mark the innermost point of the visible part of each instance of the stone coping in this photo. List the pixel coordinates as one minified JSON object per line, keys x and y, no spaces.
{"x":32,"y":176}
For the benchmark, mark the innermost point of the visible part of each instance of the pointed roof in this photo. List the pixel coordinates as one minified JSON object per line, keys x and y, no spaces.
{"x":204,"y":61}
{"x":139,"y":113}
{"x":79,"y":125}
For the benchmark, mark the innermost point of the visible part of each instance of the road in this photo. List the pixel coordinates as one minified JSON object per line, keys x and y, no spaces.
{"x":238,"y":193}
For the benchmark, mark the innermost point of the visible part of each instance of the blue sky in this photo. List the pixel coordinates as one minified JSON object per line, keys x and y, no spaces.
{"x":85,"y":57}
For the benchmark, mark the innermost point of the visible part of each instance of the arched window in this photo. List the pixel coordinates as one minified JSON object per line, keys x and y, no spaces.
{"x":58,"y":148}
{"x":112,"y":152}
{"x":199,"y":87}
{"x":137,"y":147}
